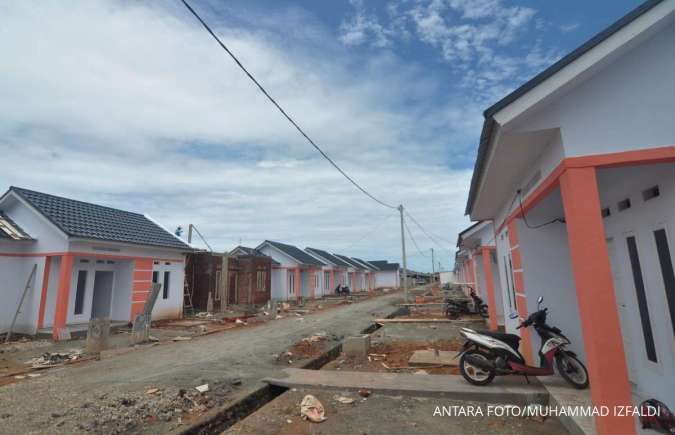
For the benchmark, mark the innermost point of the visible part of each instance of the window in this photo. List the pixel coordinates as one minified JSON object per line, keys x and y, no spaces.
{"x":606,"y":212}
{"x":513,"y":284}
{"x":79,"y":294}
{"x":623,"y":205}
{"x":291,"y":282}
{"x":155,"y":277}
{"x":261,"y":284}
{"x":326,"y":280}
{"x":666,"y":263}
{"x":165,"y":289}
{"x":651,"y":193}
{"x":508,"y":283}
{"x":641,"y":298}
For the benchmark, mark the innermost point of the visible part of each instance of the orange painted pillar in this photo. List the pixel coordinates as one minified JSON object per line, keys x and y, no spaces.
{"x":298,"y":283}
{"x":489,"y":283}
{"x":608,"y":373}
{"x":311,"y":282}
{"x":332,"y":281}
{"x":519,"y":287}
{"x":43,"y":295}
{"x":353,"y":281}
{"x":62,"y":295}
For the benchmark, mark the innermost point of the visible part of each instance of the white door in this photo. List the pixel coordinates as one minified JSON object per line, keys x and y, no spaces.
{"x":622,"y":301}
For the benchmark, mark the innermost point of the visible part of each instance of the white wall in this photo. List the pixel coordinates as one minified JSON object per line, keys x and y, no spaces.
{"x":388,"y":278}
{"x":640,"y":221}
{"x":279,"y":280}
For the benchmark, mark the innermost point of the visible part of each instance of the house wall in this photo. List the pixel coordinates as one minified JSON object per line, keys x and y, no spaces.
{"x":279,"y":288}
{"x":651,"y":379}
{"x":387,"y":278}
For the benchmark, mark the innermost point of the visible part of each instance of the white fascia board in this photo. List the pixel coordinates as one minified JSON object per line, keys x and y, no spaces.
{"x":37,"y":212}
{"x":587,"y":60}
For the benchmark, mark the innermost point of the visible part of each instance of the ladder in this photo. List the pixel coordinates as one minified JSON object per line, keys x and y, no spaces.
{"x":187,"y":294}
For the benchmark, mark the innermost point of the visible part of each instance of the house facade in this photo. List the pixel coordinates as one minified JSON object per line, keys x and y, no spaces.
{"x":297,"y":273}
{"x":576,"y":169}
{"x":92,"y":261}
{"x":477,"y":243}
{"x":333,"y":271}
{"x":387,"y":275}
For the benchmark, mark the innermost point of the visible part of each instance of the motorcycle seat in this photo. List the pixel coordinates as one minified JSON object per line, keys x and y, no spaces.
{"x":512,"y":340}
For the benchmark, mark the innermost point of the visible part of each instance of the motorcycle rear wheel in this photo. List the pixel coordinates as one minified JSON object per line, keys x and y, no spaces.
{"x":475,"y":375}
{"x":572,"y":370}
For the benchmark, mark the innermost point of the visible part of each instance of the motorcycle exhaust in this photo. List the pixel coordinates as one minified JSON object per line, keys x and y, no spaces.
{"x":480,"y":362}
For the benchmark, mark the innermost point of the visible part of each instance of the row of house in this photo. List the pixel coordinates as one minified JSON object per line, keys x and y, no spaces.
{"x":573,"y":195}
{"x":64,"y":262}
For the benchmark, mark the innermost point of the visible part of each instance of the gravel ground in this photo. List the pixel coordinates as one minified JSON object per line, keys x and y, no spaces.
{"x":110,"y":395}
{"x":382,"y":415}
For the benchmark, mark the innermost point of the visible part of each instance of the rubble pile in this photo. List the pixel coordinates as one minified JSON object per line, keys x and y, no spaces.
{"x":116,"y":413}
{"x":49,"y":359}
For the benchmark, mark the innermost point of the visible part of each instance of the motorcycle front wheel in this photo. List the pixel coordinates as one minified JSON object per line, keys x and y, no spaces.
{"x":572,"y":370}
{"x":473,"y":374}
{"x":484,"y":311}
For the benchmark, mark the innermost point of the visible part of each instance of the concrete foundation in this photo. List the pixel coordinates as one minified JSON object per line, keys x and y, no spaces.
{"x":356,"y":346}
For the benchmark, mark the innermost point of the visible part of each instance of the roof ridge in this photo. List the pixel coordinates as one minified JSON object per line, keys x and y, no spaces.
{"x":21,"y":189}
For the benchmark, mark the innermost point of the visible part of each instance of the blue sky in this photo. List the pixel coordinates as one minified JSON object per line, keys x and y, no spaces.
{"x":132,"y":105}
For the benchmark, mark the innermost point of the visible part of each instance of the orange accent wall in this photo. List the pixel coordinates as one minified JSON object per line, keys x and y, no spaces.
{"x":593,"y":280}
{"x":141,"y":286}
{"x":62,"y":295}
{"x":298,"y":283}
{"x":43,"y":294}
{"x":489,"y":283}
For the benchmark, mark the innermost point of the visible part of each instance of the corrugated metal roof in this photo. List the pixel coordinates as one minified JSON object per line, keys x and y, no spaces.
{"x":91,"y":221}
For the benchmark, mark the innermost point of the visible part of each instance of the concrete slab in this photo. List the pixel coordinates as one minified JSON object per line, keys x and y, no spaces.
{"x":504,"y":390}
{"x":562,"y":394}
{"x":424,"y":332}
{"x":430,"y":357}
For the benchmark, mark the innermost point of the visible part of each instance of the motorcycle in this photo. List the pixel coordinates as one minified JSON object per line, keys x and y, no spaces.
{"x":342,"y":290}
{"x":454,"y":308}
{"x":487,"y":354}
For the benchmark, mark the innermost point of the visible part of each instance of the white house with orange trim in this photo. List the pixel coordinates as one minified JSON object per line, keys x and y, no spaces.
{"x":576,"y":169}
{"x":297,"y":274}
{"x":333,"y":271}
{"x":477,"y":244}
{"x":92,"y":261}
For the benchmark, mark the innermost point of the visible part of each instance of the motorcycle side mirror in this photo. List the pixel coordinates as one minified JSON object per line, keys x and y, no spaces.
{"x":513,"y":315}
{"x":540,"y":299}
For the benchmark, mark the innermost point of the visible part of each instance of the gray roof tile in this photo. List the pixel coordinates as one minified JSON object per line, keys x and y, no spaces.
{"x":91,"y":221}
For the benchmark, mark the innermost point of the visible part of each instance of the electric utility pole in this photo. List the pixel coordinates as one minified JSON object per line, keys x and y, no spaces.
{"x":433,"y":263}
{"x":405,"y":262}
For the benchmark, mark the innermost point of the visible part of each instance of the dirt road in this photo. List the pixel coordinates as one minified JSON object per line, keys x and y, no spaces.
{"x":106,"y":396}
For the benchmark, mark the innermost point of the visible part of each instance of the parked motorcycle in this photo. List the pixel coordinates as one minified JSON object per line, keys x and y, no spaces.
{"x":342,"y":290}
{"x":487,"y":354}
{"x":456,"y":307}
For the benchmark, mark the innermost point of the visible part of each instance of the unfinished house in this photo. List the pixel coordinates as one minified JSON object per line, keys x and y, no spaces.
{"x":350,"y":273}
{"x":368,"y":275}
{"x":299,"y":270}
{"x":387,"y":275}
{"x":333,"y":271}
{"x":91,"y":261}
{"x":241,"y":277}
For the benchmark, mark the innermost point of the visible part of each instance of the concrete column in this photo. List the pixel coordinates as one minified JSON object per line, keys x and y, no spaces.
{"x":62,"y":295}
{"x":311,"y":282}
{"x":608,"y":373}
{"x":353,"y":281}
{"x":43,"y":295}
{"x":490,"y":287}
{"x":332,"y":281}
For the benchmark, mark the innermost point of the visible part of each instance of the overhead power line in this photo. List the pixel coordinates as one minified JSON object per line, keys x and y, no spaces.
{"x":427,"y":233}
{"x":283,"y":112}
{"x":414,"y":241}
{"x":371,"y":231}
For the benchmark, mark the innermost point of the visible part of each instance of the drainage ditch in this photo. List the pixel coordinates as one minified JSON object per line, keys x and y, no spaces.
{"x":223,"y":419}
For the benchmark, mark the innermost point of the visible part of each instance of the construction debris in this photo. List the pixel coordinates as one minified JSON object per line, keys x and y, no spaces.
{"x":52,"y":359}
{"x":344,"y":400}
{"x":181,"y":338}
{"x":202,"y":388}
{"x":311,"y":409}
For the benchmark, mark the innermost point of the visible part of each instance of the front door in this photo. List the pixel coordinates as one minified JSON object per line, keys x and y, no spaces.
{"x":102,"y":297}
{"x":625,"y":317}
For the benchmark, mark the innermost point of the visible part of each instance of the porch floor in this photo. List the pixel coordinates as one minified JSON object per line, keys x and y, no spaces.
{"x":80,"y":329}
{"x":562,"y":394}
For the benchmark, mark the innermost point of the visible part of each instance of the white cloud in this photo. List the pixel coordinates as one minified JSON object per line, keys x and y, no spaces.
{"x":570,"y":27}
{"x":135,"y":106}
